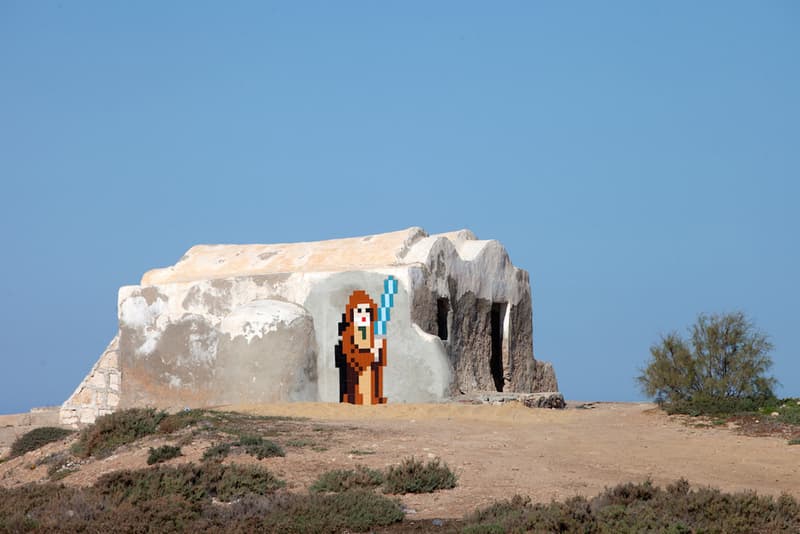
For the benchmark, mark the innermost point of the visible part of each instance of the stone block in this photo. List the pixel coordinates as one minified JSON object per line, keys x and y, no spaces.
{"x":112,"y":400}
{"x":98,"y":380}
{"x":84,"y":397}
{"x":87,"y":414}
{"x":110,"y":360}
{"x":68,"y":416}
{"x":113,"y":380}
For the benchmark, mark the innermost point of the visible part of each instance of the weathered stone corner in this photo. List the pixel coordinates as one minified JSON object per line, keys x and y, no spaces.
{"x":99,"y":392}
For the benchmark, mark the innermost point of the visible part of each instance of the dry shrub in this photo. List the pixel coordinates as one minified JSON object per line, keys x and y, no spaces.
{"x":217,"y":452}
{"x":36,"y":438}
{"x":191,"y":482}
{"x":643,"y":508}
{"x":162,"y":454}
{"x":259,"y":447}
{"x":109,"y":508}
{"x":356,"y":510}
{"x":340,"y":480}
{"x":414,"y":476}
{"x":116,"y":429}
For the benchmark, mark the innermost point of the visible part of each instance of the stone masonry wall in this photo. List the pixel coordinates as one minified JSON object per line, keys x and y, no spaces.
{"x":98,"y":394}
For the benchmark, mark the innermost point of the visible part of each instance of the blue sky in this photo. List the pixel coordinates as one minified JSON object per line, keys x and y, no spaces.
{"x":640,"y":160}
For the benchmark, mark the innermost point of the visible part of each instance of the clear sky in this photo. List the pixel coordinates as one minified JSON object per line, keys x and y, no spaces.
{"x":641,"y":160}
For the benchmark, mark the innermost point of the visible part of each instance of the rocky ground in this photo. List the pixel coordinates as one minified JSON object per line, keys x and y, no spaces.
{"x":496,"y":450}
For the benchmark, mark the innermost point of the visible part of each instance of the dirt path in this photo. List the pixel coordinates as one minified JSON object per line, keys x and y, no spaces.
{"x":497,"y":451}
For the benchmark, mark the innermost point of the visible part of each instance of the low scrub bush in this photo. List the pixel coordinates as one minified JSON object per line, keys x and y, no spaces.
{"x":141,"y":501}
{"x":253,"y":445}
{"x":643,"y":508}
{"x":700,"y":405}
{"x":259,"y":447}
{"x":414,"y":476}
{"x":174,"y":422}
{"x":36,"y":438}
{"x":116,"y":429}
{"x":340,"y":480}
{"x":217,"y":452}
{"x":59,"y":465}
{"x":190,"y":482}
{"x":498,"y":515}
{"x":356,"y":510}
{"x":162,"y":454}
{"x":789,"y":411}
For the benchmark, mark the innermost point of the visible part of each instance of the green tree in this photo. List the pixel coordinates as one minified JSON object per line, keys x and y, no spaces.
{"x":722,"y":367}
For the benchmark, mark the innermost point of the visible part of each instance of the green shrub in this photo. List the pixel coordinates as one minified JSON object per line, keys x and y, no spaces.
{"x":643,"y":508}
{"x":191,"y":482}
{"x":116,"y":429}
{"x":162,"y":454}
{"x":720,"y":369}
{"x":36,"y":438}
{"x":174,"y":422}
{"x":252,"y":445}
{"x":789,"y":411}
{"x":340,"y":480}
{"x":413,"y":476}
{"x":497,"y":516}
{"x":356,"y":510}
{"x":794,"y":442}
{"x":217,"y":452}
{"x":161,"y":499}
{"x":260,"y":447}
{"x":702,"y":405}
{"x":235,"y":481}
{"x":55,"y":508}
{"x":30,"y":507}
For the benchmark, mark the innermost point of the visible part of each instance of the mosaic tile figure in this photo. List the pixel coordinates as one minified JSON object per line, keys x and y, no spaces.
{"x":361,"y":351}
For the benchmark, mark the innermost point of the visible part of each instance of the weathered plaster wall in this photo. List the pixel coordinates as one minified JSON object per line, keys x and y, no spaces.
{"x":259,"y":323}
{"x":418,"y":369}
{"x":175,"y":354}
{"x":266,"y":352}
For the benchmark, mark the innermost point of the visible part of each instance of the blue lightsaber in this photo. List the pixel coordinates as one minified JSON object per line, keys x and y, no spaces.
{"x":387,"y":302}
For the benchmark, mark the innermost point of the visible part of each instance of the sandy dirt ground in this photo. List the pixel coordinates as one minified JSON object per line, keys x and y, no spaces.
{"x":498,"y":451}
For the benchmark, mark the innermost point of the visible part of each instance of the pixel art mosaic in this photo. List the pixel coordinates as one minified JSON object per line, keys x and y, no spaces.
{"x":361,"y":350}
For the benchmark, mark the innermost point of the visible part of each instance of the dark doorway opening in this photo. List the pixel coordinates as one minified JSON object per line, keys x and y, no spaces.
{"x":496,"y":361}
{"x":442,"y":311}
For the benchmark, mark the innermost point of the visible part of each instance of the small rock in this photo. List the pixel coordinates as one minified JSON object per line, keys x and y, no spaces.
{"x":544,"y":400}
{"x":437,"y":522}
{"x":774,"y":414}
